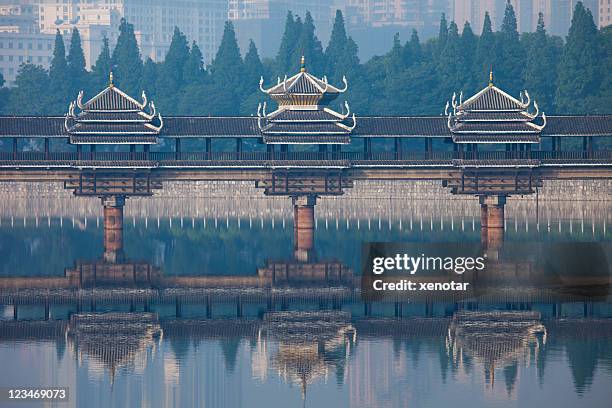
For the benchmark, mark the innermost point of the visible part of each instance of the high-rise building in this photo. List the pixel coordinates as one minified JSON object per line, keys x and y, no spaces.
{"x":20,"y":39}
{"x":154,"y":21}
{"x":605,"y":13}
{"x":557,"y":13}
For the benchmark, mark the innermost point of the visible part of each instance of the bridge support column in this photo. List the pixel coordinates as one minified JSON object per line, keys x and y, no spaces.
{"x":492,"y":220}
{"x":113,"y":227}
{"x":303,"y":226}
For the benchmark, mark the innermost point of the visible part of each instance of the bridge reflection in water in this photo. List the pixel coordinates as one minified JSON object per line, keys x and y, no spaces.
{"x":305,"y":319}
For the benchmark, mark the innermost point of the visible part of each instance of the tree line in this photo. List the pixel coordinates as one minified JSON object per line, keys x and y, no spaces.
{"x":413,"y":78}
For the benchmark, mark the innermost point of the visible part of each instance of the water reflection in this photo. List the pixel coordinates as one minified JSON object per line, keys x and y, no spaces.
{"x":257,"y":325}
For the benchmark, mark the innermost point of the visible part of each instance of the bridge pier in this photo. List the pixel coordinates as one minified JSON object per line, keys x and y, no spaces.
{"x":303,"y":226}
{"x":492,"y":220}
{"x":113,"y":227}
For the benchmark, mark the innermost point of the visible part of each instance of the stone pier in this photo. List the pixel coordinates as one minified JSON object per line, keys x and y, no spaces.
{"x":113,"y":227}
{"x":303,"y":226}
{"x":492,"y":220}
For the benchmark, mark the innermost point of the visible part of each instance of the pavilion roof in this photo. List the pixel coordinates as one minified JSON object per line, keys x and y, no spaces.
{"x":494,"y":116}
{"x":112,"y":116}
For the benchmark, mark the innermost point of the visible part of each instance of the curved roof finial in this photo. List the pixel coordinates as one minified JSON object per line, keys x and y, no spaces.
{"x":303,"y":64}
{"x":110,"y":80}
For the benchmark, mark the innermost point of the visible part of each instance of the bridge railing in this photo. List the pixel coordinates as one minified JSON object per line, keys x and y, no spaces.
{"x":357,"y":156}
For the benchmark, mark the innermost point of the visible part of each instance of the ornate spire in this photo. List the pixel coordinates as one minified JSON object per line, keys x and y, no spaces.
{"x":110,"y":79}
{"x":303,"y":64}
{"x":491,"y":76}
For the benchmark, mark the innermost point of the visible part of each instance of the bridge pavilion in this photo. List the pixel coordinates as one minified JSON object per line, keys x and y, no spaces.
{"x":490,"y":145}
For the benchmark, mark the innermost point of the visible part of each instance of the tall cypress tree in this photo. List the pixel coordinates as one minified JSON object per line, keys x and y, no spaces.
{"x":126,"y":60}
{"x":450,"y":66}
{"x":509,"y":69}
{"x":414,"y":45}
{"x":58,"y":76}
{"x":337,"y":45}
{"x":227,"y":68}
{"x":149,"y":78}
{"x":76,"y":63}
{"x":469,"y":43}
{"x":443,"y":34}
{"x":310,"y":47}
{"x":254,"y":70}
{"x":288,"y":42}
{"x":170,"y":78}
{"x":485,"y":52}
{"x":194,"y":69}
{"x":101,"y":70}
{"x":540,"y":69}
{"x":579,"y":67}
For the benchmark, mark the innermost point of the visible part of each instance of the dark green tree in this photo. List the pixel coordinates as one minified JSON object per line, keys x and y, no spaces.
{"x":76,"y":64}
{"x":309,"y":47}
{"x":450,"y":68}
{"x":126,"y":60}
{"x":443,"y":34}
{"x":194,"y":69}
{"x":511,"y":56}
{"x":253,"y":71}
{"x":226,"y":68}
{"x":469,"y":44}
{"x":413,"y":47}
{"x":32,"y":82}
{"x":485,"y":52}
{"x":540,"y":73}
{"x":579,"y":76}
{"x":101,"y":70}
{"x":149,"y":78}
{"x":336,"y":48}
{"x":601,"y":103}
{"x":58,"y":76}
{"x":170,"y":77}
{"x":288,"y":42}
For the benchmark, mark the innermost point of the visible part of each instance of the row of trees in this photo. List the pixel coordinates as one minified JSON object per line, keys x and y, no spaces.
{"x":412,"y":78}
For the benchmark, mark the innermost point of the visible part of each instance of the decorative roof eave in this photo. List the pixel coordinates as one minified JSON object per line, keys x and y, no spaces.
{"x":322,"y":85}
{"x":464,"y":106}
{"x":111,"y":88}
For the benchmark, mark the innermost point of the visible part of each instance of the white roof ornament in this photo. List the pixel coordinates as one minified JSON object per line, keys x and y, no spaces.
{"x":350,"y":128}
{"x":259,"y":110}
{"x":80,"y":100}
{"x":461,"y":98}
{"x":326,"y":84}
{"x":264,"y":109}
{"x":285,"y":83}
{"x":543,"y":125}
{"x":454,"y":100}
{"x":144,"y":100}
{"x":345,"y":84}
{"x":526,"y":104}
{"x":448,"y":122}
{"x":348,"y":109}
{"x":261,"y":81}
{"x":446,"y":108}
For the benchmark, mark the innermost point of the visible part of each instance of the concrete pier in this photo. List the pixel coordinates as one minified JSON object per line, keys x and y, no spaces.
{"x":303,"y":226}
{"x":113,"y":227}
{"x":492,"y":220}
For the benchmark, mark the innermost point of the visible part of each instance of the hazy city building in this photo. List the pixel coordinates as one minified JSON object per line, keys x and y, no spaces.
{"x":557,"y":13}
{"x":28,"y":27}
{"x":605,"y":15}
{"x":20,"y":39}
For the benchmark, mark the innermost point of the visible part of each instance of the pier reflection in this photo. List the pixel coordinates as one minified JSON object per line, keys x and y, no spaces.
{"x":302,"y":321}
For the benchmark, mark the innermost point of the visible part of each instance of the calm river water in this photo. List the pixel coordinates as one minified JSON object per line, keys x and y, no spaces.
{"x":204,"y":311}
